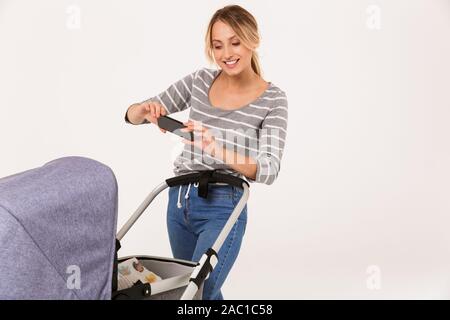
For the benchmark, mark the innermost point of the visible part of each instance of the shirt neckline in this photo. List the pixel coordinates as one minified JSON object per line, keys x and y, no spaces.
{"x":240,"y":108}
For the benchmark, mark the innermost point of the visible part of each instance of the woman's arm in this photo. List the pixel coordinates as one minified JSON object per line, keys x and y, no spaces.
{"x":176,"y":98}
{"x":145,"y":112}
{"x":242,"y":164}
{"x":263,"y":167}
{"x":205,"y":141}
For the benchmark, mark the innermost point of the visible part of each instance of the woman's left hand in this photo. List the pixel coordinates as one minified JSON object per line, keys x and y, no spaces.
{"x":203,"y":138}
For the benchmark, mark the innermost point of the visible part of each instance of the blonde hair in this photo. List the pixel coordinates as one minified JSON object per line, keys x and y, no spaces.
{"x":245,"y":26}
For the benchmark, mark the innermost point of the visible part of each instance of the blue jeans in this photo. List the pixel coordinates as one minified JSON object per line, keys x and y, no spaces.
{"x":195,"y":223}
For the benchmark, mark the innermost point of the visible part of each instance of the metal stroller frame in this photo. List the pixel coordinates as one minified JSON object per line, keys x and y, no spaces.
{"x":193,"y":281}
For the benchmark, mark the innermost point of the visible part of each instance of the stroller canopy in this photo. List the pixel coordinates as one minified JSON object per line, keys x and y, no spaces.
{"x":57,"y":231}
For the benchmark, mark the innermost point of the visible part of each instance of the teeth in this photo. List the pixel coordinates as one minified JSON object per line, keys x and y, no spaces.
{"x":231,"y":62}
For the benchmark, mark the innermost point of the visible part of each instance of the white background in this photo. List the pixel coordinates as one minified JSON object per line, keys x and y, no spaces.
{"x":361,"y":206}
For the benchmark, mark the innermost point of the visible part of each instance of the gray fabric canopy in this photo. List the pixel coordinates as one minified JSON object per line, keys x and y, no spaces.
{"x":57,"y":231}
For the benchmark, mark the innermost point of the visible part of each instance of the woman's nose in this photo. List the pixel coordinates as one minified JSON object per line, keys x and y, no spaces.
{"x":227,"y":53}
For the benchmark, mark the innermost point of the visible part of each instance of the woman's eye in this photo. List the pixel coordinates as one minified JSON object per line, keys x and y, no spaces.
{"x":236,"y":44}
{"x":217,"y":47}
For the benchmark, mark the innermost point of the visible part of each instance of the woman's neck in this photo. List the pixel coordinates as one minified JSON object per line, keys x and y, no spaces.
{"x":245,"y":79}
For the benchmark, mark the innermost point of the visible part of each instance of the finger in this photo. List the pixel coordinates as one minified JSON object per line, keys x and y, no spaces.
{"x":193,"y":126}
{"x":188,"y":124}
{"x":197,"y":125}
{"x":158,"y":111}
{"x":163,"y":112}
{"x":149,"y":118}
{"x":199,"y":129}
{"x":162,"y":130}
{"x":152,"y":110}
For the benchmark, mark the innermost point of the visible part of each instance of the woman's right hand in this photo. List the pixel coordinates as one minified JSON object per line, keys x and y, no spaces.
{"x":151,"y":111}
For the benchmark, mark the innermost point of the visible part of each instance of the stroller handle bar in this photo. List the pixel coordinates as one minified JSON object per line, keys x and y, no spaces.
{"x":211,"y":176}
{"x":202,"y":178}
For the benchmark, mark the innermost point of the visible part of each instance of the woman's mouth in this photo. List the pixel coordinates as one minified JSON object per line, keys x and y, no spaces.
{"x":231,"y":64}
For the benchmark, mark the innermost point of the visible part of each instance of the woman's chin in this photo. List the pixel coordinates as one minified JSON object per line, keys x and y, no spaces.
{"x":232,"y":72}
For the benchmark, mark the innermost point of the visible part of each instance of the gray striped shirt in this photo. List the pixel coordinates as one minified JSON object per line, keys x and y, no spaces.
{"x":256,"y":130}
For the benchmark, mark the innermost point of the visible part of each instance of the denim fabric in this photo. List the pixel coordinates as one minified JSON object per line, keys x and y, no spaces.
{"x":195,"y":226}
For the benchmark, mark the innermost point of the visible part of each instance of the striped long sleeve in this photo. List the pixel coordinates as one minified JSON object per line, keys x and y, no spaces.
{"x":257,"y":129}
{"x":272,"y":139}
{"x":178,"y":96}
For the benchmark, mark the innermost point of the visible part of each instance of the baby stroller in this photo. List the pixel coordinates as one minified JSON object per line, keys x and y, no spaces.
{"x":58,"y":235}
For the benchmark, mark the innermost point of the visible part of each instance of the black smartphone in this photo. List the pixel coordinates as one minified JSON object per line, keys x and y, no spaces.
{"x":174,"y":126}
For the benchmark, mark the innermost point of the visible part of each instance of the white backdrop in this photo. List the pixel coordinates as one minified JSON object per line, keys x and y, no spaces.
{"x":361,"y":206}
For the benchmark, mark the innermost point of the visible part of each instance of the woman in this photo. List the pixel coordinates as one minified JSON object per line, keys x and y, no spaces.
{"x":239,"y":121}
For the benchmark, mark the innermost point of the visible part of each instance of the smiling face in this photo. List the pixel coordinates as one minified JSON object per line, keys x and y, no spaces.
{"x":229,"y":52}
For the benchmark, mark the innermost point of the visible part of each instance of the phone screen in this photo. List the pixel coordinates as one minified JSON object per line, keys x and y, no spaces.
{"x":175,"y":127}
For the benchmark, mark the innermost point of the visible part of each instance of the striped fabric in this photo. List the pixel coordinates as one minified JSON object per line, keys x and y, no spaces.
{"x":257,"y":130}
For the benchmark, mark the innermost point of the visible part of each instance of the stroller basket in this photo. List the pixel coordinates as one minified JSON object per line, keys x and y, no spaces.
{"x":173,"y":272}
